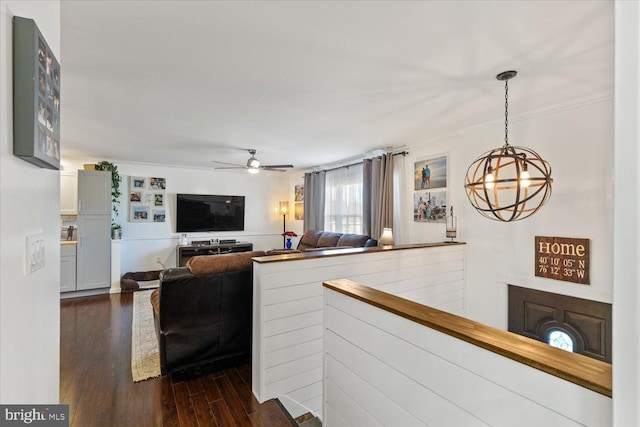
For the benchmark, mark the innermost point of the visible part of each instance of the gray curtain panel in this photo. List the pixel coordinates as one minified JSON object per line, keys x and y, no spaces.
{"x":377,"y":197}
{"x":314,"y":201}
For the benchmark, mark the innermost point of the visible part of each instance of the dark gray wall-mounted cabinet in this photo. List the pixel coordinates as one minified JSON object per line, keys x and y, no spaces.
{"x":36,"y":97}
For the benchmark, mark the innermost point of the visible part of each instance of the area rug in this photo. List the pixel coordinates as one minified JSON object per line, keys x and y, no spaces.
{"x":145,"y":360}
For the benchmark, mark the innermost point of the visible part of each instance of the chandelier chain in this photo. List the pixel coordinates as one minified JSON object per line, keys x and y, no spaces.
{"x":506,"y":112}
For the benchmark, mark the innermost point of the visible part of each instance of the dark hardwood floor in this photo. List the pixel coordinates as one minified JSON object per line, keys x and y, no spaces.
{"x":95,"y":378}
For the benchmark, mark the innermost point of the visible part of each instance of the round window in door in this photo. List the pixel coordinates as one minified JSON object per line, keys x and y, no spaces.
{"x":560,"y":339}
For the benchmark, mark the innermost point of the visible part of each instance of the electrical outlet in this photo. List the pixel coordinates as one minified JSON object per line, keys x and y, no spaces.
{"x":34,"y":253}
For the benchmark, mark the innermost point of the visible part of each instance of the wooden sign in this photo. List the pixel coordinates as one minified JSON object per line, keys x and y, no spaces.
{"x":562,"y":258}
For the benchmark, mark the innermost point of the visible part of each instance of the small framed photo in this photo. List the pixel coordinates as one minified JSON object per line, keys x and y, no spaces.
{"x":139,"y":214}
{"x":138,"y":183}
{"x":157,"y":183}
{"x":158,"y":200}
{"x":135,"y":196}
{"x":159,"y":215}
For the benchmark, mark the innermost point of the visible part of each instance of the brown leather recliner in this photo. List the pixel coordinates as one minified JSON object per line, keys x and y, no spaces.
{"x":203,"y":312}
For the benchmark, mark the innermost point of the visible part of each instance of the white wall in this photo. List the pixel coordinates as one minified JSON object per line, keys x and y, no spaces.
{"x":626,"y":324}
{"x":143,"y":243}
{"x":577,"y":142}
{"x":29,"y":203}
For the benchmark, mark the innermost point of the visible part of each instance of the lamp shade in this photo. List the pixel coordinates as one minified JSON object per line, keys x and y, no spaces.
{"x":284,"y":207}
{"x":386,"y":238}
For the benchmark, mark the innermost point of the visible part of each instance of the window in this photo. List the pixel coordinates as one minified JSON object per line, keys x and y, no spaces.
{"x":560,"y":339}
{"x":343,"y":200}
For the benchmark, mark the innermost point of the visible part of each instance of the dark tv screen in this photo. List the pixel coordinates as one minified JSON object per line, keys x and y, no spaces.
{"x":203,"y":212}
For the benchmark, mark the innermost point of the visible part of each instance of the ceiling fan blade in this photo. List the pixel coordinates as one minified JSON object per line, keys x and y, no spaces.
{"x":276,"y":166}
{"x":272,"y":169}
{"x":230,"y":164}
{"x":231,"y":167}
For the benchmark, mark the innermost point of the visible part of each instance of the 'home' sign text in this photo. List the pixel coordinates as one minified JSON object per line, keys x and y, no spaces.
{"x":562,"y":258}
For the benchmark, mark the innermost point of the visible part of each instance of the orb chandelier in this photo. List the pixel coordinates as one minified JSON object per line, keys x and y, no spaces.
{"x":508,"y":183}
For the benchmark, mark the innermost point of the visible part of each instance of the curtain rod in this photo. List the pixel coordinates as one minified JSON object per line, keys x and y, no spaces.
{"x":404,"y":153}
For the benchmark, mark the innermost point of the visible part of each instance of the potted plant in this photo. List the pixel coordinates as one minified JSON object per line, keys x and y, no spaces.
{"x":116,"y":180}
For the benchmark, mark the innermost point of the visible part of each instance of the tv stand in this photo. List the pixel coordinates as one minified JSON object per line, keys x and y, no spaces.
{"x":185,"y":252}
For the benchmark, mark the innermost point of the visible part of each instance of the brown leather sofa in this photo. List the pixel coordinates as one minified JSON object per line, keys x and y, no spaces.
{"x":203,"y":312}
{"x":315,"y":240}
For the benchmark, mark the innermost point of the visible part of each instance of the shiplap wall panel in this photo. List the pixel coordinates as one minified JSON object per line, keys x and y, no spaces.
{"x":381,"y":407}
{"x":370,"y":352}
{"x":292,"y":368}
{"x":307,"y":393}
{"x":333,"y":419}
{"x":287,"y":354}
{"x":408,"y":362}
{"x":291,"y":293}
{"x":293,"y":337}
{"x":288,"y":304}
{"x":578,"y":402}
{"x":343,"y":403}
{"x":280,"y":326}
{"x":288,"y":384}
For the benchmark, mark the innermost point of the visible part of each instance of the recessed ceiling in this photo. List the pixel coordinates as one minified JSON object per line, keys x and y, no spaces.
{"x":313,"y":82}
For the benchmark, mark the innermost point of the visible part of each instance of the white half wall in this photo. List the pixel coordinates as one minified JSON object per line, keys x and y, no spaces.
{"x":381,"y":369}
{"x":287,"y":310}
{"x":29,"y":203}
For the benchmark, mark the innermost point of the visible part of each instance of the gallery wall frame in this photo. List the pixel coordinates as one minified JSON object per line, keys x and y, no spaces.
{"x":36,"y":96}
{"x":147,"y":199}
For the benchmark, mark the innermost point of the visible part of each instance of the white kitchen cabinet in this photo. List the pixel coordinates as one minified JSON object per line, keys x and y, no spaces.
{"x":67,"y":268}
{"x":94,"y":192}
{"x":94,"y":252}
{"x":94,"y":230}
{"x":68,"y":193}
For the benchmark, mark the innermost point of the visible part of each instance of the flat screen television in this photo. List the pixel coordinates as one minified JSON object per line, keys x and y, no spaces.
{"x":205,"y":212}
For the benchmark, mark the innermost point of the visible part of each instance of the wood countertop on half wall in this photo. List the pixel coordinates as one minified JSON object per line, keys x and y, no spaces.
{"x":294,"y":256}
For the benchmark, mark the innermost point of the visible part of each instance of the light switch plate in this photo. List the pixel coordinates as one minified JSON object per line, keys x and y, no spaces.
{"x":35,"y":252}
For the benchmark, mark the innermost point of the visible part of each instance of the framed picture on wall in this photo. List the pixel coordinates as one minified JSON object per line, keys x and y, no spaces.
{"x":430,"y":174}
{"x":299,"y":193}
{"x":299,"y":211}
{"x":157,"y":183}
{"x":139,"y":213}
{"x":430,"y":206}
{"x":158,"y":199}
{"x":137,"y":183}
{"x":159,"y":215}
{"x":135,"y":196}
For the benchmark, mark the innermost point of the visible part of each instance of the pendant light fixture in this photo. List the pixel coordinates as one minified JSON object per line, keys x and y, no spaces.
{"x":508,"y":183}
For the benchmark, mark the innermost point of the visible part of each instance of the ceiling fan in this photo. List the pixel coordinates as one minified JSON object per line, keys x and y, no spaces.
{"x":253,"y":165}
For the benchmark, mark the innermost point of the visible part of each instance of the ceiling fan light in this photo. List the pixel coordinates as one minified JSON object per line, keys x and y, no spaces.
{"x":253,"y":163}
{"x":253,"y":170}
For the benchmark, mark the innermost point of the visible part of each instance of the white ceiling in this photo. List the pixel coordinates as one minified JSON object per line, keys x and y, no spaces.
{"x":314,"y":82}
